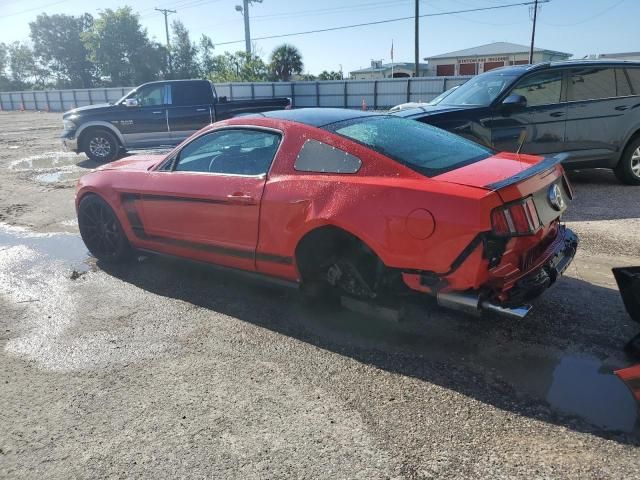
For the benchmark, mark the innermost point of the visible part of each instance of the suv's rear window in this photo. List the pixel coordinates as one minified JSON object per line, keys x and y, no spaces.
{"x":423,"y":148}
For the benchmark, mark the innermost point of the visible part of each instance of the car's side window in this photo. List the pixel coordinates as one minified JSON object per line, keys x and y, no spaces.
{"x":187,"y":94}
{"x":634,"y":77}
{"x":540,"y":88}
{"x":623,"y":88}
{"x":591,"y":83}
{"x":319,"y":157}
{"x":150,"y":96}
{"x":233,"y":152}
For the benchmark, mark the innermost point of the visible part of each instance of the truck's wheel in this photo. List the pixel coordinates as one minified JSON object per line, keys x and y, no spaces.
{"x":101,"y":146}
{"x":628,"y":168}
{"x":101,"y":231}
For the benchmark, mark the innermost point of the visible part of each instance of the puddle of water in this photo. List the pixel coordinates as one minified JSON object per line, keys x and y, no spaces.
{"x":54,"y":177}
{"x":583,"y":386}
{"x":45,"y":161}
{"x":62,"y":247}
{"x":572,"y":384}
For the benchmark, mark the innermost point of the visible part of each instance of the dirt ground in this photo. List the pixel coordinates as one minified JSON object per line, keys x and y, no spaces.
{"x":164,"y":369}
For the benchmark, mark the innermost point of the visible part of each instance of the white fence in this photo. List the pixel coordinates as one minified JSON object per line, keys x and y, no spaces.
{"x":377,"y":94}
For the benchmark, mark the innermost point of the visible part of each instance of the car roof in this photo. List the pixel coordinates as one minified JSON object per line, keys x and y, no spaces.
{"x":521,"y":69}
{"x":317,"y":117}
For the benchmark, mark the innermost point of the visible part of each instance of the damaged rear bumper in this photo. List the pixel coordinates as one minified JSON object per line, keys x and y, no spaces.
{"x":559,"y":256}
{"x":556,"y":259}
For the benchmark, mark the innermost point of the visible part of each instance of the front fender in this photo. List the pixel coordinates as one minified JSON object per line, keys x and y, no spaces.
{"x":102,"y":124}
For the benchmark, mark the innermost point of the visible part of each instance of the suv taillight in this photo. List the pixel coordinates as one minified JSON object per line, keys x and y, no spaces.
{"x":515,"y":219}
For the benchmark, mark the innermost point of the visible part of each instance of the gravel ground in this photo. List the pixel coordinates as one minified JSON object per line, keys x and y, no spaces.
{"x":165,"y":369}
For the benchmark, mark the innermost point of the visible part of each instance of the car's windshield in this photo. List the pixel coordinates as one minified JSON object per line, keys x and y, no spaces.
{"x":480,"y":90}
{"x":443,"y":95}
{"x":423,"y":148}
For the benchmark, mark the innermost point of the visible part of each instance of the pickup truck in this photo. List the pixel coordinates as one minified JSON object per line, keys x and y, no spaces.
{"x":153,"y":115}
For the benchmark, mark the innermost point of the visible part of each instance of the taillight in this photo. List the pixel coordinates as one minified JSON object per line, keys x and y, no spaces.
{"x":515,"y":219}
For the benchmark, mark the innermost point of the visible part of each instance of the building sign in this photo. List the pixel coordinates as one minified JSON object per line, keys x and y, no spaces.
{"x":482,"y":59}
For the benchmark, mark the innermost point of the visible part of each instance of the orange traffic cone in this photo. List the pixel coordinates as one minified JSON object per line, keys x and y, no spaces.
{"x":364,"y":104}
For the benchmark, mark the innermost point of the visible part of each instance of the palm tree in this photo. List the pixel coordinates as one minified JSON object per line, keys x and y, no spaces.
{"x":285,"y":61}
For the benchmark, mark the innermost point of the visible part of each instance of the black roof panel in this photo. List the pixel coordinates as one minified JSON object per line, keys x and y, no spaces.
{"x":318,"y":117}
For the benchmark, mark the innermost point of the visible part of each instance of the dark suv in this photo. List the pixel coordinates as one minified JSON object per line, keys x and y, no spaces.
{"x":587,"y":109}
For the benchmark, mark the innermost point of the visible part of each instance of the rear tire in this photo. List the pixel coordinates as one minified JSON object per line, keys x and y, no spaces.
{"x":101,"y":231}
{"x":101,"y":146}
{"x":628,"y":168}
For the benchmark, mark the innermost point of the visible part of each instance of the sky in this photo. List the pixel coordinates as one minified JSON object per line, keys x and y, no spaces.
{"x":579,"y":27}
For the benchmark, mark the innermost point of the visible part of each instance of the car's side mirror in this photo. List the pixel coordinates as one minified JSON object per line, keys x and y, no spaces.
{"x":222,"y":99}
{"x":131,"y":102}
{"x":514,"y":102}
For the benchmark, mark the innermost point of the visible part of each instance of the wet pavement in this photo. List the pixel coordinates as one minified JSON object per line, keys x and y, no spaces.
{"x":160,"y":368}
{"x":572,"y":384}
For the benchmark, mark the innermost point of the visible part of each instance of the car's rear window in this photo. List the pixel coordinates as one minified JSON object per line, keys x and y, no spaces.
{"x":423,"y":148}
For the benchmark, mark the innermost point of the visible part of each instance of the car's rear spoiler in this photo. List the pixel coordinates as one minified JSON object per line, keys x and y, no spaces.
{"x":546,"y":164}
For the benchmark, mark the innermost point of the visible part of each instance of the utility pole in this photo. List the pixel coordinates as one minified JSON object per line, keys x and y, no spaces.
{"x":417,"y":45}
{"x":533,"y":30}
{"x":166,"y":13}
{"x":244,"y":9}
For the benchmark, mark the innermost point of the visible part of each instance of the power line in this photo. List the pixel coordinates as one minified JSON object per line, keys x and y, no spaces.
{"x":32,"y":9}
{"x":611,"y":7}
{"x":379,"y":22}
{"x":349,"y":8}
{"x":321,"y":11}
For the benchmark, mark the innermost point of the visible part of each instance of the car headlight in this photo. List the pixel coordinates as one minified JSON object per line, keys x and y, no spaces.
{"x":68,"y":125}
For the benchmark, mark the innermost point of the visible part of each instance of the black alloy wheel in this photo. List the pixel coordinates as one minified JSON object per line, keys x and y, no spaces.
{"x":101,"y":231}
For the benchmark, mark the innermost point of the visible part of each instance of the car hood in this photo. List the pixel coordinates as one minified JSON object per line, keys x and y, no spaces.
{"x":431,"y":110}
{"x":88,"y":109}
{"x":135,"y":162}
{"x":492,"y":170}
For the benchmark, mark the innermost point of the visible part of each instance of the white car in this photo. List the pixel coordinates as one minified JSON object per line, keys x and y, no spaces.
{"x":435,"y":101}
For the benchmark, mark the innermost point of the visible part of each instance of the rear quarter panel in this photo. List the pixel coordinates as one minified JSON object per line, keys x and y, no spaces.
{"x":373,"y":205}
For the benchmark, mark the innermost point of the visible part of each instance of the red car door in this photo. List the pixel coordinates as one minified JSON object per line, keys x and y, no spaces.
{"x":206,"y":205}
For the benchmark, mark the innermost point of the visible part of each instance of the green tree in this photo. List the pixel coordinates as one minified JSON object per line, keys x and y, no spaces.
{"x":238,"y":67}
{"x":59,"y":45}
{"x":325,"y":75}
{"x":122,"y":51}
{"x":25,"y":72}
{"x":184,"y":53}
{"x":285,"y":61}
{"x":3,"y":59}
{"x":207,"y":59}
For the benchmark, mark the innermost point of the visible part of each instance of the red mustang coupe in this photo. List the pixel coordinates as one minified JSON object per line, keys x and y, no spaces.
{"x":342,"y":201}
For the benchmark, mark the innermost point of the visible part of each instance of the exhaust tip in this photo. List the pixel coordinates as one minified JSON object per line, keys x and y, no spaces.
{"x":515,"y":313}
{"x":471,"y":303}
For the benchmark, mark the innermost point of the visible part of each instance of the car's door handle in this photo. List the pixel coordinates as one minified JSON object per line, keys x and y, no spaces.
{"x":157,"y":113}
{"x":201,"y":109}
{"x":621,"y":108}
{"x":556,"y":114}
{"x":240,"y":197}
